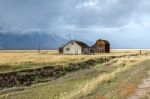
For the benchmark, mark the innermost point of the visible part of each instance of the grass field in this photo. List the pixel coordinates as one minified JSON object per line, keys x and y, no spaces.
{"x":116,"y":79}
{"x":22,"y":59}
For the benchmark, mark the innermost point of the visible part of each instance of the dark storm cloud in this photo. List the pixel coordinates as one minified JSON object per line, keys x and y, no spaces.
{"x":109,"y":13}
{"x":30,"y":14}
{"x":68,"y":15}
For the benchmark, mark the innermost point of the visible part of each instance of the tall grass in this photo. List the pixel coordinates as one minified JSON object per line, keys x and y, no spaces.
{"x":83,"y":83}
{"x":15,"y":60}
{"x":91,"y":85}
{"x":18,"y":57}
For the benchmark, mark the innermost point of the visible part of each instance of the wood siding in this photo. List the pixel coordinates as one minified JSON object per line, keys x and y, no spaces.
{"x":101,"y":46}
{"x":72,"y":48}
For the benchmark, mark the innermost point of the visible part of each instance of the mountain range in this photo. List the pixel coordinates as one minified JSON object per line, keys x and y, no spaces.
{"x":36,"y":40}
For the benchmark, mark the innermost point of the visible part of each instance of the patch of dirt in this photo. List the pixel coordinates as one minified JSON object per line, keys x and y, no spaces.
{"x":143,"y":88}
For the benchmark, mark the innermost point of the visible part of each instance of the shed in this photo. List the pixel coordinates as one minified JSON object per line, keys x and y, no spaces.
{"x":75,"y":47}
{"x":101,"y":46}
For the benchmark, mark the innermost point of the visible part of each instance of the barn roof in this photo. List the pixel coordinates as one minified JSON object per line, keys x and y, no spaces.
{"x":106,"y":42}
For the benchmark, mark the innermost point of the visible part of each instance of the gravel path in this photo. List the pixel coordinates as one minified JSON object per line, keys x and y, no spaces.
{"x":143,"y":88}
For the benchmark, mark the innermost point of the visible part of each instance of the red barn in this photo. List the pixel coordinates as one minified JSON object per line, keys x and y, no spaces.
{"x":101,"y":46}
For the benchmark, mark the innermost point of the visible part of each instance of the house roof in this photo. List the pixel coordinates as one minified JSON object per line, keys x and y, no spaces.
{"x":80,"y":43}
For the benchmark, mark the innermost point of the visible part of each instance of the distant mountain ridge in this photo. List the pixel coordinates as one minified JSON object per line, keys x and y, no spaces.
{"x":35,"y":40}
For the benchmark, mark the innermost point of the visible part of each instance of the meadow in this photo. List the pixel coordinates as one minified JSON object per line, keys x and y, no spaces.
{"x":23,"y":59}
{"x":115,"y":79}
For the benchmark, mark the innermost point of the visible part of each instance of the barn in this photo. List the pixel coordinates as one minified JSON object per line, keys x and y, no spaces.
{"x":75,"y":47}
{"x":101,"y":46}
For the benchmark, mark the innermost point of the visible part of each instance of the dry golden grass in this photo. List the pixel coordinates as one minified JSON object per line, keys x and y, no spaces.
{"x":83,"y":83}
{"x":88,"y":87}
{"x":17,"y":57}
{"x":22,"y":59}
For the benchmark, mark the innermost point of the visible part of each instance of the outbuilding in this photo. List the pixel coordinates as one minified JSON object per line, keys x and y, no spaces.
{"x":75,"y":47}
{"x":101,"y":46}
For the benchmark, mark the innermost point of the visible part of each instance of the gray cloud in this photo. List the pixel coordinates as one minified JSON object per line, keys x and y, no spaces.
{"x":70,"y":15}
{"x":104,"y":13}
{"x":30,"y":14}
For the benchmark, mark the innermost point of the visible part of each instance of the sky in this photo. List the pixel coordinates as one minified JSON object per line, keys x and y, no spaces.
{"x":125,"y":23}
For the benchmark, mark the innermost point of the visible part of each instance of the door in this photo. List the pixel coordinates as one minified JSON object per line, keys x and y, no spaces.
{"x":76,"y":50}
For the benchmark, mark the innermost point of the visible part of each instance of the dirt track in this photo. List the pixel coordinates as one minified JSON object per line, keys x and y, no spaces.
{"x":143,"y":88}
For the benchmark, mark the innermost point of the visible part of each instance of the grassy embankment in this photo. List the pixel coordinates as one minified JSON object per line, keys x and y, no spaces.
{"x":23,"y":59}
{"x":116,"y":79}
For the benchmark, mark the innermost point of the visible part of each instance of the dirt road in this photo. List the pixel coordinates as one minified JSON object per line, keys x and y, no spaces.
{"x":143,"y":88}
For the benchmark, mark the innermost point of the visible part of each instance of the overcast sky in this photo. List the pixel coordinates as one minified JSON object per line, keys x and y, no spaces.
{"x":123,"y":22}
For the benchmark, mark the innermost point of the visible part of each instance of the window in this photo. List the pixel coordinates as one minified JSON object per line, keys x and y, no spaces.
{"x":67,"y":49}
{"x":71,"y":43}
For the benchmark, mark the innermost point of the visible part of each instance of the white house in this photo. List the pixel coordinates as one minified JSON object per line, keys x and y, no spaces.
{"x":75,"y":47}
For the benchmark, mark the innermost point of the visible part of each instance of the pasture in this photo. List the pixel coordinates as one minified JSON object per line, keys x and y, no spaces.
{"x":24,"y":59}
{"x":115,"y":79}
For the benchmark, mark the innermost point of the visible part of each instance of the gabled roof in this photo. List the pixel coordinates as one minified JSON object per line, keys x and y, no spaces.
{"x":80,"y":43}
{"x":106,"y":42}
